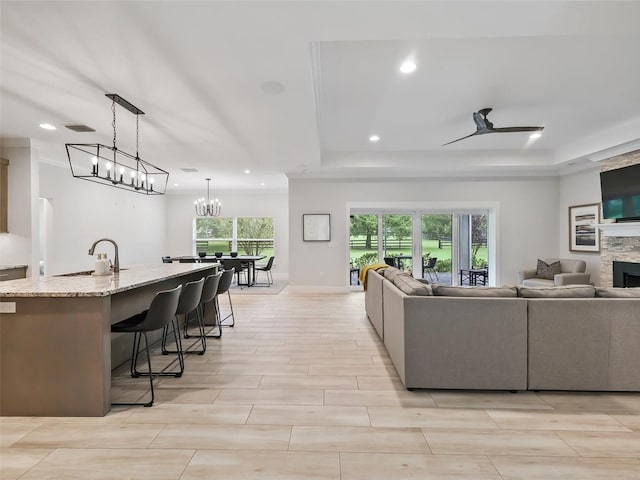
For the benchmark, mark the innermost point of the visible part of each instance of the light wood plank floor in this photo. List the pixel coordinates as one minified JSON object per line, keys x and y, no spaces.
{"x":302,"y":388}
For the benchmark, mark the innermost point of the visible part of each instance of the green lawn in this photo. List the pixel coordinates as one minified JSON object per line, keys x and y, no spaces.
{"x":428,"y":246}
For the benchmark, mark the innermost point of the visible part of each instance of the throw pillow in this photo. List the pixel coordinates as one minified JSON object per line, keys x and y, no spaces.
{"x":391,"y":272}
{"x":411,"y":286}
{"x":547,"y":270}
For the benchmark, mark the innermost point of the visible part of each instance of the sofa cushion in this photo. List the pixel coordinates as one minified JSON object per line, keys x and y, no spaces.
{"x":449,"y":291}
{"x":411,"y":286}
{"x":538,"y":282}
{"x":390,"y":272}
{"x":617,"y":292}
{"x":564,"y":291}
{"x":547,"y":270}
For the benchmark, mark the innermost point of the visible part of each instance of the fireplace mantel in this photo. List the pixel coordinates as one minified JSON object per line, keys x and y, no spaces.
{"x":621,"y":229}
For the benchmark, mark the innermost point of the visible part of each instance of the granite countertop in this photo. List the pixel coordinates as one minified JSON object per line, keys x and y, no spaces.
{"x":97,"y":286}
{"x":11,"y":267}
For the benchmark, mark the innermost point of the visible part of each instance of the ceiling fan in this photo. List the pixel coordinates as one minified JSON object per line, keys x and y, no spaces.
{"x":484,"y":126}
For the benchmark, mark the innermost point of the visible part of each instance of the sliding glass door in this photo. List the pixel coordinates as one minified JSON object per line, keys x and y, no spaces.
{"x":444,"y":247}
{"x":437,"y":247}
{"x":398,"y":240}
{"x":363,"y":244}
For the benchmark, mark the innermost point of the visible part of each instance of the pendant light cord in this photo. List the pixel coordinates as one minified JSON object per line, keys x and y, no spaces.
{"x":113,"y":123}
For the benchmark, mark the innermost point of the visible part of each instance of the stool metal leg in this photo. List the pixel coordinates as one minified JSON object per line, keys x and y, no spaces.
{"x":233,"y":318}
{"x":216,"y":316}
{"x":178,"y":351}
{"x":134,"y":373}
{"x":201,"y":334}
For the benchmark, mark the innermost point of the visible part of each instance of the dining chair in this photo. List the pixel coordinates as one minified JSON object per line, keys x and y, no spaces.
{"x":429,"y":267}
{"x":267,"y":269}
{"x":391,"y":261}
{"x":237,"y":265}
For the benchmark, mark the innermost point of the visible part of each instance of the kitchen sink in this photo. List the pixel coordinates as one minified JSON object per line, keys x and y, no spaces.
{"x":81,"y":274}
{"x":75,"y":274}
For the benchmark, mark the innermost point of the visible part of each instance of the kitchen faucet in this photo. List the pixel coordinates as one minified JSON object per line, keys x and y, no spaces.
{"x":116,"y":261}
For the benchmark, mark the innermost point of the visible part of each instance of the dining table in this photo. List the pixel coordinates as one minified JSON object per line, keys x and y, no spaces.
{"x":249,"y":260}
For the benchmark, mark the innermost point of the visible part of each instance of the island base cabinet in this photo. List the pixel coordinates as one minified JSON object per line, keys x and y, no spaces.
{"x":56,"y":346}
{"x":55,"y":356}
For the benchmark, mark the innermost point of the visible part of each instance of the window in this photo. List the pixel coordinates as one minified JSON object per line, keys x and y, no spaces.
{"x":436,"y":245}
{"x":247,"y":235}
{"x":214,"y":234}
{"x":255,"y":236}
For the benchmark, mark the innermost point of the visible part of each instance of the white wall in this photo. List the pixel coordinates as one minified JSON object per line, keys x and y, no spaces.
{"x":578,"y":189}
{"x":527,"y":220}
{"x":181,"y":216}
{"x":83,"y":212}
{"x":18,"y":247}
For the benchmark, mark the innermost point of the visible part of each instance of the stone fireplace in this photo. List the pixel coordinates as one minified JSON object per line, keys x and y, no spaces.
{"x":622,"y":247}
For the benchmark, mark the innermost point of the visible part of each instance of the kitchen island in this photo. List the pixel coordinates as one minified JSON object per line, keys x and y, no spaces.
{"x":55,"y":336}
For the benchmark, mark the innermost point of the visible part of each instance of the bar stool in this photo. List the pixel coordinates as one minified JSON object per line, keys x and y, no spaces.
{"x":160,"y":314}
{"x":223,"y":287}
{"x":209,"y":292}
{"x":189,"y":302}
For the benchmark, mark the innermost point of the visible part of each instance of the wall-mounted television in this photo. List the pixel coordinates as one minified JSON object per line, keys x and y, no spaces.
{"x":621,"y":193}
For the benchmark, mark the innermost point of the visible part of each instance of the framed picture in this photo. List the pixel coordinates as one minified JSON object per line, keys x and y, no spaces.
{"x":316,"y":227}
{"x":583,"y":231}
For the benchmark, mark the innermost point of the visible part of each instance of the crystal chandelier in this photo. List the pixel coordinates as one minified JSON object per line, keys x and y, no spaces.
{"x":111,"y":166}
{"x":208,"y":208}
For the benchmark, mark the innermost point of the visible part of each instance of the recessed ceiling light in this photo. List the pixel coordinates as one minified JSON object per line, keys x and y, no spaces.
{"x":176,"y":184}
{"x":262,"y":184}
{"x":47,"y":126}
{"x":374,"y":138}
{"x":247,"y":171}
{"x":535,"y":135}
{"x":408,"y":67}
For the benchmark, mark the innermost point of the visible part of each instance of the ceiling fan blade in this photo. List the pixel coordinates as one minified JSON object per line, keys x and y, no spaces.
{"x":457,"y":140}
{"x":517,"y":129}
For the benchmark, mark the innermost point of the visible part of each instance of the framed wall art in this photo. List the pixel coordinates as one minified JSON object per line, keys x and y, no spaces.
{"x":584,"y":235}
{"x":316,"y":227}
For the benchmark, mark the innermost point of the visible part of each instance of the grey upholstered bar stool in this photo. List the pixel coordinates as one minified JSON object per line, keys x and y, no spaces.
{"x":161,"y":313}
{"x":188,"y":305}
{"x":209,"y":292}
{"x":223,"y":287}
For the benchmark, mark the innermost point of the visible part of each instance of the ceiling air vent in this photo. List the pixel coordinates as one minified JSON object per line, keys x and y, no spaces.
{"x":80,"y":128}
{"x":189,"y":170}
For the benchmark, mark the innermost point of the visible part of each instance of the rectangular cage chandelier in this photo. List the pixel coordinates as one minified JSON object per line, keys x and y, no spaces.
{"x":108,"y":165}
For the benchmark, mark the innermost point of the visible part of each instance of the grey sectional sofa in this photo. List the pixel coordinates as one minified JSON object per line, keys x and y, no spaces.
{"x":506,"y":338}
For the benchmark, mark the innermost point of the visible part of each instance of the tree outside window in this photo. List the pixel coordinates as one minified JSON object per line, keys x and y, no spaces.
{"x":214,"y":234}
